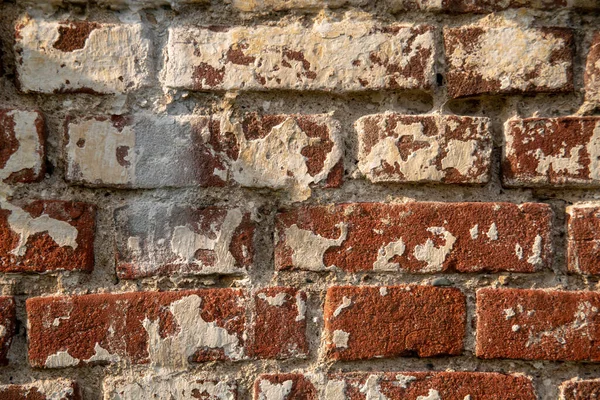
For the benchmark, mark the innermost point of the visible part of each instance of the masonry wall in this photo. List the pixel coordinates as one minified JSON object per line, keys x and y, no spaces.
{"x":276,"y":200}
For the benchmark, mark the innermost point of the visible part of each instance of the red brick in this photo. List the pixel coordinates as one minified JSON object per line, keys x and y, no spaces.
{"x":58,"y":389}
{"x":576,"y":389}
{"x":7,"y":326}
{"x":302,"y":57}
{"x":22,"y":146}
{"x":285,"y":387}
{"x":163,"y":239}
{"x":538,"y":324}
{"x":552,"y":152}
{"x":506,"y":60}
{"x":430,"y":386}
{"x":372,"y":322}
{"x":162,"y":328}
{"x":488,"y":6}
{"x":591,"y":76}
{"x":583,"y":227}
{"x":81,"y":56}
{"x":282,"y":152}
{"x":47,"y":235}
{"x":415,"y":237}
{"x":424,"y":148}
{"x":279,"y":326}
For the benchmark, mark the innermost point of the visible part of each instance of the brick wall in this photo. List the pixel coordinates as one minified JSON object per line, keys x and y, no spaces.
{"x":299,"y":199}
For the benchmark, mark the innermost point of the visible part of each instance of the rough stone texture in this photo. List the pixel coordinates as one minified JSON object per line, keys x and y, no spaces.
{"x":160,"y":328}
{"x":552,"y":152}
{"x":73,"y":56}
{"x":583,"y":226}
{"x":7,"y":327}
{"x":432,"y":148}
{"x":538,"y":324}
{"x":297,"y":57}
{"x":284,"y":387}
{"x":57,"y":389}
{"x":47,"y":235}
{"x":417,"y":237}
{"x":167,"y":386}
{"x":387,"y":321}
{"x":279,"y":5}
{"x":279,"y":328}
{"x":281,"y":152}
{"x":507,"y":60}
{"x":162,"y":239}
{"x":591,"y":76}
{"x":22,"y":146}
{"x":580,"y":390}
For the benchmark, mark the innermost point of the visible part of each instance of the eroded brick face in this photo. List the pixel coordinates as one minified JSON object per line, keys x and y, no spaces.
{"x":285,"y":387}
{"x":47,"y":235}
{"x":168,"y":328}
{"x":580,"y":390}
{"x":161,"y":239}
{"x":279,"y":328}
{"x":417,"y":237}
{"x":58,"y":389}
{"x":403,"y":148}
{"x":538,"y":324}
{"x":552,"y":152}
{"x":591,"y":76}
{"x":72,"y":56}
{"x":505,"y":60}
{"x":583,"y":226}
{"x":387,"y":321}
{"x":166,"y":386}
{"x":302,"y":58}
{"x":291,"y":153}
{"x":7,"y":326}
{"x":22,"y":146}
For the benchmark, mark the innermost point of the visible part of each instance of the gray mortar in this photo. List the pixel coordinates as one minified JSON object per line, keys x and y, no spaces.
{"x":347,"y":108}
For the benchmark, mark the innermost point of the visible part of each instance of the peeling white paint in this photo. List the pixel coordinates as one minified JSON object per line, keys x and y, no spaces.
{"x":28,"y":154}
{"x":346,"y":302}
{"x":102,"y":354}
{"x":60,"y":359}
{"x":335,"y":390}
{"x":371,"y":389}
{"x":386,"y":253}
{"x":509,"y":313}
{"x":474,"y":231}
{"x":274,"y":391}
{"x":46,"y":69}
{"x":432,"y":255}
{"x":340,"y":338}
{"x":536,"y":252}
{"x":383,"y":291}
{"x":276,"y":301}
{"x":194,"y":333}
{"x":431,"y":395}
{"x":492,"y":233}
{"x":308,"y":248}
{"x":405,"y":380}
{"x":301,"y":307}
{"x":519,"y":251}
{"x":51,"y":389}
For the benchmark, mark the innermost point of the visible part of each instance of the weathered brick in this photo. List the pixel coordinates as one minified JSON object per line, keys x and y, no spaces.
{"x":372,"y":322}
{"x":47,"y":235}
{"x":161,"y":328}
{"x":286,"y":387}
{"x":591,"y":76}
{"x":296,"y":57}
{"x":538,"y":324}
{"x":7,"y":326}
{"x":22,"y":146}
{"x":505,"y":60}
{"x":552,"y":152}
{"x":81,"y":56}
{"x":279,"y":326}
{"x":165,"y":386}
{"x":415,"y":237}
{"x":487,"y":6}
{"x":279,"y":5}
{"x":429,"y":386}
{"x":165,"y":239}
{"x":280,"y":152}
{"x":576,"y":389}
{"x":583,"y":227}
{"x":57,"y":389}
{"x":428,"y":148}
